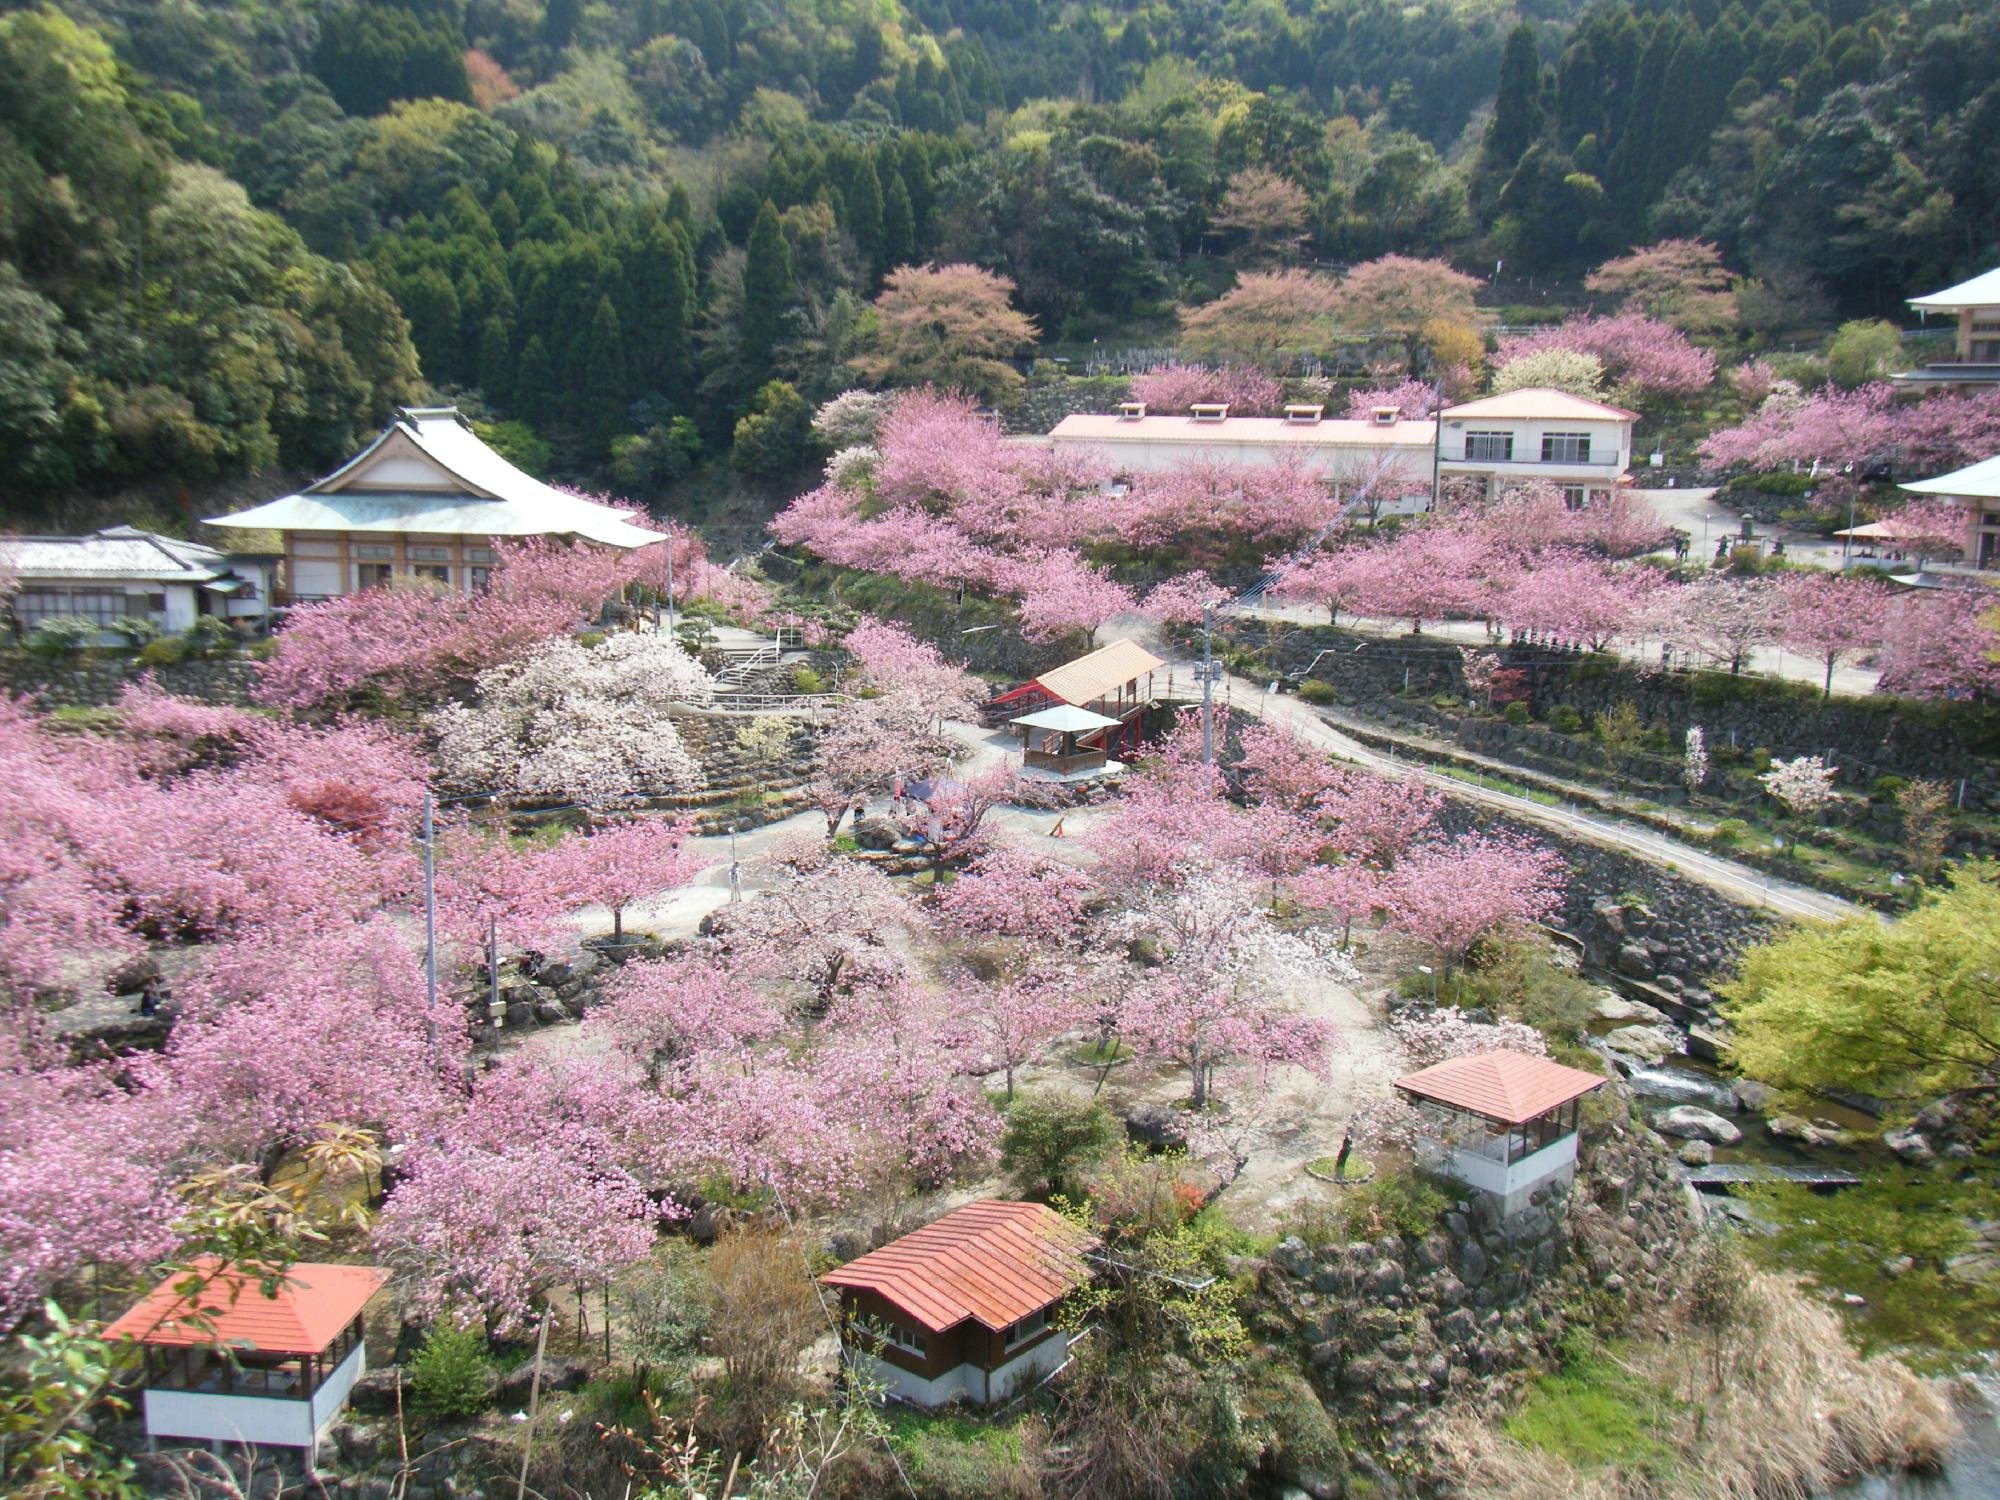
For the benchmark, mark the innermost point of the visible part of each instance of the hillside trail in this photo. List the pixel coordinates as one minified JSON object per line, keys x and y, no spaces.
{"x":1738,"y":882}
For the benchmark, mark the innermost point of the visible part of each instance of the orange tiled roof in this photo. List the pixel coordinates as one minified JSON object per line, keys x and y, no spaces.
{"x":314,"y":1302}
{"x":1510,"y":1088}
{"x":996,"y":1262}
{"x":1099,"y":674}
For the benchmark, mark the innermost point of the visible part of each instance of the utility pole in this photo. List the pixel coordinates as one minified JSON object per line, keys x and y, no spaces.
{"x":430,"y":923}
{"x":669,"y":617}
{"x":1207,"y":688}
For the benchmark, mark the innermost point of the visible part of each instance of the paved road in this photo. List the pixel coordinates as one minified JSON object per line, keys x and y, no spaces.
{"x":1738,"y":882}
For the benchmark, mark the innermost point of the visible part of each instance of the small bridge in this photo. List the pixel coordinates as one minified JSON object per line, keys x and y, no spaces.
{"x":1721,"y":1177}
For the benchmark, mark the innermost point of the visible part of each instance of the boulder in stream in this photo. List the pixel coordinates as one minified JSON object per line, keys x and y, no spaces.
{"x":1808,"y":1132}
{"x":1910,"y":1144}
{"x":1692,"y":1122}
{"x":1649,"y":1044}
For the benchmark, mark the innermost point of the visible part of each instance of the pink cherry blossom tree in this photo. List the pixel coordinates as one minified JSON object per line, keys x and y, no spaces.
{"x":1004,"y":1023}
{"x":1941,"y":643}
{"x":1574,"y":599}
{"x":85,"y":1171}
{"x":1011,"y":891}
{"x":1062,"y":595}
{"x":1829,"y":619}
{"x":1451,"y":893}
{"x":1413,"y":401}
{"x":1720,"y":618}
{"x":1171,"y":389}
{"x":1643,"y":354}
{"x":625,"y":861}
{"x":660,"y":1013}
{"x":1928,"y":530}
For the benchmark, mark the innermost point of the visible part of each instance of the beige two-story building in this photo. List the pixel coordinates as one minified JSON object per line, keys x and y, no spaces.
{"x":1399,"y":464}
{"x":426,"y":499}
{"x":1581,"y":446}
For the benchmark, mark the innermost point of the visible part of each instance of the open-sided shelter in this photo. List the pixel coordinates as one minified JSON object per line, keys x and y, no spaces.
{"x":231,"y":1364}
{"x":1114,"y":681}
{"x":1508,"y":1120}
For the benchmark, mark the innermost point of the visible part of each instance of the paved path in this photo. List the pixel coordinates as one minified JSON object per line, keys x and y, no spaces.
{"x":1738,"y":882}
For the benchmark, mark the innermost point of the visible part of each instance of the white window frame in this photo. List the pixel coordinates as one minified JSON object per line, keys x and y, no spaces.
{"x":1505,"y":440}
{"x":1027,"y":1329}
{"x":1577,"y":442}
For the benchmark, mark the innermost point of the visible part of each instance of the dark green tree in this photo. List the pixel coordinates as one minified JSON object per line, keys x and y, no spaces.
{"x":603,"y":389}
{"x":496,"y":362}
{"x":898,"y":230}
{"x":767,"y":291}
{"x":864,"y":220}
{"x":1517,"y":108}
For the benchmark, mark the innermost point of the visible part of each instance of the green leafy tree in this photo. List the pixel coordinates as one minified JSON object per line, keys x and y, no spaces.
{"x":775,"y":436}
{"x":1051,"y":1142}
{"x":1902,"y":1011}
{"x":1862,"y":351}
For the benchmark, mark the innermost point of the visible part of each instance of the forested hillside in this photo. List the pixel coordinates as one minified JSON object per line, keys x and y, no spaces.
{"x":617,"y":224}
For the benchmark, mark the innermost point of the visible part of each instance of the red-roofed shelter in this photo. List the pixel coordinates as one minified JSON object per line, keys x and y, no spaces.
{"x":1114,"y":682}
{"x":1510,"y":1120}
{"x":227,"y":1361}
{"x":961,"y":1306}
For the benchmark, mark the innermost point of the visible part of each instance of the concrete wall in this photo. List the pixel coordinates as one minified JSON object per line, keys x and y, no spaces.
{"x":967,"y":1381}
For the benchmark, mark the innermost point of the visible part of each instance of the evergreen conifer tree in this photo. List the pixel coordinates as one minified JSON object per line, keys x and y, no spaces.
{"x":1517,"y":108}
{"x":603,"y":388}
{"x":767,"y":291}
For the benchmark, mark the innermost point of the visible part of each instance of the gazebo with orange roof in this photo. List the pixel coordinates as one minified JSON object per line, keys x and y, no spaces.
{"x":961,"y":1306}
{"x":1511,"y":1120}
{"x":227,"y":1362}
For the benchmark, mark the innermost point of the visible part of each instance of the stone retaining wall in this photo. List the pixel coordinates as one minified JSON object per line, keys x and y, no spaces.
{"x":93,"y":682}
{"x":1394,"y":680}
{"x":1394,"y":1327}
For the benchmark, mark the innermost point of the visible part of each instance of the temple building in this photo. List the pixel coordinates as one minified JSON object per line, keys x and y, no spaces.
{"x":1975,"y":355}
{"x":426,"y":499}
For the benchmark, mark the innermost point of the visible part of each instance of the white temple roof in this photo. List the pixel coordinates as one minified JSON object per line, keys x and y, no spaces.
{"x":430,"y":472}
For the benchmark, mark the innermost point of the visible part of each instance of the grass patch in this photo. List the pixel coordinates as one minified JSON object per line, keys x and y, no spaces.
{"x":1594,"y":1414}
{"x":1497,"y":784}
{"x":1356,"y":1170}
{"x":1101,"y":1053}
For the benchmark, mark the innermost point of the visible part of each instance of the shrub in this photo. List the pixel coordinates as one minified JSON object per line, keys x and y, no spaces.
{"x":136,"y":630}
{"x":1886,"y":788}
{"x":1408,"y":1202}
{"x":450,"y":1376}
{"x":1620,"y":729}
{"x":806,"y":680}
{"x":1314,"y":691}
{"x":1760,"y":759}
{"x":62,"y":636}
{"x":209,"y":636}
{"x":1565,"y":719}
{"x":591,"y":639}
{"x":1731,"y":831}
{"x":1051,"y":1140}
{"x":1517,"y":712}
{"x":167,"y":651}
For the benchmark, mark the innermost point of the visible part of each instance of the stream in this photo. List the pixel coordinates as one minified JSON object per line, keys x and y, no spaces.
{"x":1973,"y":1471}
